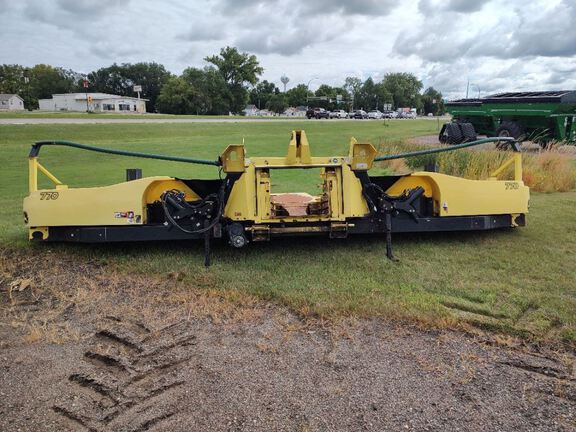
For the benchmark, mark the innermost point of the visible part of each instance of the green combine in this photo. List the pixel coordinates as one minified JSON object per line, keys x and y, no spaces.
{"x":535,"y":116}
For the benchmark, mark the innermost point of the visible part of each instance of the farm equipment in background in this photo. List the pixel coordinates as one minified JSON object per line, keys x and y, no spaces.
{"x":536,"y":116}
{"x":243,"y":206}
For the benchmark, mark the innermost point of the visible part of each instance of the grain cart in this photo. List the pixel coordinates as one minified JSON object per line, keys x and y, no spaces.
{"x":242,"y":206}
{"x":536,"y":116}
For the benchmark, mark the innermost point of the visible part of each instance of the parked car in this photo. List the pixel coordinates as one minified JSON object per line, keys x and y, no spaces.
{"x":317,"y":113}
{"x":338,"y":114}
{"x":375,"y":114}
{"x":390,"y":114}
{"x":360,"y":114}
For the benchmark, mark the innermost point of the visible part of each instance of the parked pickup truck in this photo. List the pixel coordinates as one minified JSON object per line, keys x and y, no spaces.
{"x":317,"y":113}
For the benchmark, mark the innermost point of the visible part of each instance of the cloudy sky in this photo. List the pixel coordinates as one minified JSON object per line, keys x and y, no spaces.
{"x":495,"y":44}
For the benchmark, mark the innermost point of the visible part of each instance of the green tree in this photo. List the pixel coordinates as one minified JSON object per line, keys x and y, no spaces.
{"x":366,"y":96}
{"x":353,"y":85}
{"x":298,"y":96}
{"x":212,"y":93}
{"x":120,"y":80}
{"x":404,"y":89}
{"x":277,"y":103}
{"x":262,"y":92}
{"x":38,"y":82}
{"x":237,"y":69}
{"x":331,"y":94}
{"x":46,"y":80}
{"x":111,"y":79}
{"x":11,"y":79}
{"x":176,"y":97}
{"x":432,"y":102}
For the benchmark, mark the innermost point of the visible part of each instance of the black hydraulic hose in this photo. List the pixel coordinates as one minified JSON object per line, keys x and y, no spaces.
{"x":38,"y":145}
{"x":510,"y":140}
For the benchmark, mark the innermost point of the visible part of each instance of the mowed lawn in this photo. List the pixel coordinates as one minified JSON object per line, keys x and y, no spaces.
{"x":520,"y":282}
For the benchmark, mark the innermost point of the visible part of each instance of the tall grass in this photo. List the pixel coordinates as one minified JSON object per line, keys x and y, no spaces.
{"x":549,"y":170}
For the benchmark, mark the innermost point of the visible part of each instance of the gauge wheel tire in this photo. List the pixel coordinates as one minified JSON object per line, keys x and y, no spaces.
{"x":468,"y":131}
{"x":508,"y":129}
{"x":451,"y":134}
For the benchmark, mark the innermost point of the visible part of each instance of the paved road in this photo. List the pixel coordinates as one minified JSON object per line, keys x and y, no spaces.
{"x":25,"y":121}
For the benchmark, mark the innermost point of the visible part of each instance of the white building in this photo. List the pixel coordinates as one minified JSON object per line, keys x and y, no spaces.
{"x":11,"y":102}
{"x":97,"y":102}
{"x":299,"y":111}
{"x":250,"y":110}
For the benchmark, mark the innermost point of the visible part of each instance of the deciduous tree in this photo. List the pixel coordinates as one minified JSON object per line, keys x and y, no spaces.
{"x":176,"y":97}
{"x":404,"y":88}
{"x":237,"y":69}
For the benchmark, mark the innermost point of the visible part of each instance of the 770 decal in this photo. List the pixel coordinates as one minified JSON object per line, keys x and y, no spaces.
{"x":48,"y":196}
{"x":511,"y":185}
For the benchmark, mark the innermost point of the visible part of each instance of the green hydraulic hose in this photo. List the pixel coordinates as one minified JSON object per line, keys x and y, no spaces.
{"x":509,"y":140}
{"x":36,"y":149}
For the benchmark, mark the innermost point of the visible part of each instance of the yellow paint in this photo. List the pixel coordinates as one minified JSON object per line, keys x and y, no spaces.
{"x":233,"y":158}
{"x":33,"y":167}
{"x":97,"y":205}
{"x":250,"y":199}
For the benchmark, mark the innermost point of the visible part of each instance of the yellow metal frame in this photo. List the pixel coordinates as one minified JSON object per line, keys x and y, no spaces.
{"x":250,"y":197}
{"x":516,"y":159}
{"x":33,"y":167}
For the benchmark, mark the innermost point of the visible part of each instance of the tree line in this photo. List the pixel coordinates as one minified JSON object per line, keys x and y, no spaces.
{"x":229,"y":81}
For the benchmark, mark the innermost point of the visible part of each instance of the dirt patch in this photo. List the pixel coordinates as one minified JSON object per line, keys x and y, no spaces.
{"x":86,"y":348}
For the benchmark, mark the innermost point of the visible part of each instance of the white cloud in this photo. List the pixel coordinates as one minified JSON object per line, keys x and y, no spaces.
{"x":496,"y":44}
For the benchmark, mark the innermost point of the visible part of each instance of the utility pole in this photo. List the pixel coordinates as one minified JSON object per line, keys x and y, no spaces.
{"x":85,"y":84}
{"x":27,"y":82}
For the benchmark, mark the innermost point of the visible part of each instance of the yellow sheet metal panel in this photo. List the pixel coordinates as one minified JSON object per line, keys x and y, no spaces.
{"x":233,"y":158}
{"x":362,"y":156}
{"x":120,"y":204}
{"x":353,"y":201}
{"x":455,"y":196}
{"x":242,"y":202}
{"x":298,"y":149}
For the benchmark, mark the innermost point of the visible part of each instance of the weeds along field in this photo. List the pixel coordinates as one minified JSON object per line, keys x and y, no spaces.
{"x":517,"y":282}
{"x":548,"y":170}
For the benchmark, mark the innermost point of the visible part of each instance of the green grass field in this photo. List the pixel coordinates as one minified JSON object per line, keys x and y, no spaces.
{"x":519,"y":282}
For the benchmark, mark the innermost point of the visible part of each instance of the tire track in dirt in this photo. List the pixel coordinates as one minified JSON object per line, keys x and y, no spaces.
{"x":128,"y":376}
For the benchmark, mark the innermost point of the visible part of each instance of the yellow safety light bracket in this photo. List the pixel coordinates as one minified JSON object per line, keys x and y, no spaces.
{"x":33,"y":167}
{"x":361,"y":156}
{"x":515,"y":160}
{"x":298,"y":149}
{"x":233,"y":158}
